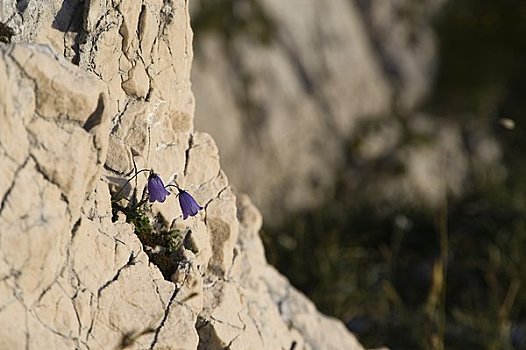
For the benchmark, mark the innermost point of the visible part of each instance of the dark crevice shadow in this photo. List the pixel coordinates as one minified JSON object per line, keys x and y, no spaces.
{"x":21,"y":5}
{"x":96,"y":117}
{"x":69,"y":17}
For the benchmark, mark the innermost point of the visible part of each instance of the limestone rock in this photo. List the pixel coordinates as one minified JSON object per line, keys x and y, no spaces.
{"x":256,"y":307}
{"x":61,"y":144}
{"x":141,"y":50}
{"x":74,"y":273}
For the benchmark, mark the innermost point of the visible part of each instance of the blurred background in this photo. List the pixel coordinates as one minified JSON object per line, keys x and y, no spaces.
{"x":383,"y":141}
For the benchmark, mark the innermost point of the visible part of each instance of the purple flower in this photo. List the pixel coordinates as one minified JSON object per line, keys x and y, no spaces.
{"x":156,"y":189}
{"x":189,"y":206}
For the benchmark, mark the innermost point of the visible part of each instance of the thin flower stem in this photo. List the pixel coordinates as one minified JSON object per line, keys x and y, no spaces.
{"x":140,"y":203}
{"x":126,"y":183}
{"x":170,"y":185}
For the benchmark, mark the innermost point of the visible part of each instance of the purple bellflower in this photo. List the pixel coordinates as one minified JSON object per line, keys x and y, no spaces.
{"x":156,"y":189}
{"x":189,"y":206}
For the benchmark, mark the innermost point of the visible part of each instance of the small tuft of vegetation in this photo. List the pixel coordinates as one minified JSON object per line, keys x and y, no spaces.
{"x":163,"y":245}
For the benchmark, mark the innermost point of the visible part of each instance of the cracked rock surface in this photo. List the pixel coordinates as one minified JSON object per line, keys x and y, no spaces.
{"x":88,"y":90}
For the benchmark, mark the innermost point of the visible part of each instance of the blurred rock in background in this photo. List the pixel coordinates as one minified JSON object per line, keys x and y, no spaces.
{"x":287,"y":90}
{"x":402,"y":35}
{"x":282,"y":86}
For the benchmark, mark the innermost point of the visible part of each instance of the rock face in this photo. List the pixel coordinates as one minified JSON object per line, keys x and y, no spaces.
{"x":88,"y":90}
{"x":287,"y":103}
{"x":295,"y":101}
